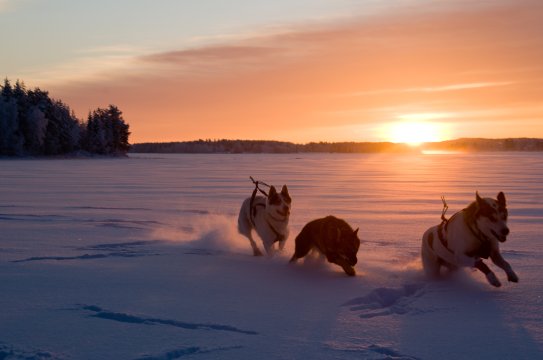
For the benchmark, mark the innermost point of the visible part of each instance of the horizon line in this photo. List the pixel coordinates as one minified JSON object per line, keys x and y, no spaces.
{"x":339,"y":142}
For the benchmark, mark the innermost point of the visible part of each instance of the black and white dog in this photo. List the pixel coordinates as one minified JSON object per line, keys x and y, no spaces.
{"x":468,"y":237}
{"x":269,"y":217}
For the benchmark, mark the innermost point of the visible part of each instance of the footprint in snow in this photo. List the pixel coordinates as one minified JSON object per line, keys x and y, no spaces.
{"x":386,"y":301}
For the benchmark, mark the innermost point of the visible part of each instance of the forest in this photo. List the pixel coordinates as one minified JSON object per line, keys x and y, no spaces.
{"x":34,"y":124}
{"x":267,"y":146}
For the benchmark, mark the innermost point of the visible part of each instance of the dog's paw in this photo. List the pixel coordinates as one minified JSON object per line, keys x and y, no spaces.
{"x":493,"y":280}
{"x":257,"y":252}
{"x":349,"y":270}
{"x":512,"y":277}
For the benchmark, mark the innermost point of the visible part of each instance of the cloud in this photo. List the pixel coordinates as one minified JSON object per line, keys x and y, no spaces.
{"x":4,"y":5}
{"x":12,"y":5}
{"x":434,"y":60}
{"x":91,"y":65}
{"x":457,"y":87}
{"x":211,"y":60}
{"x":429,"y":89}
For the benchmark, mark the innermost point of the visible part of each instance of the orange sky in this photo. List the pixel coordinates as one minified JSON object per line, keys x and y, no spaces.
{"x":474,"y":71}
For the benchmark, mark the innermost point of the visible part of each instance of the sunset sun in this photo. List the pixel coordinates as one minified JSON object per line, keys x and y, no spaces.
{"x":414,"y":132}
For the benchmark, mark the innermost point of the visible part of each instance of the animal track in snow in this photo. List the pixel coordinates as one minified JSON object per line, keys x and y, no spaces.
{"x":10,"y":352}
{"x":386,"y":301}
{"x":186,"y":351}
{"x":122,"y":247}
{"x":133,"y":319}
{"x":125,"y":250}
{"x":372,"y":352}
{"x":389,"y":353}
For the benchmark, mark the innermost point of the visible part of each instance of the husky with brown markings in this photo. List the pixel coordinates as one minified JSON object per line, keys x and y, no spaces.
{"x":467,"y":238}
{"x":269,"y":217}
{"x":333,"y":238}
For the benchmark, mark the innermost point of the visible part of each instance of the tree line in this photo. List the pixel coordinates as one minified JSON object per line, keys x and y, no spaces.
{"x":266,"y":146}
{"x":34,"y":124}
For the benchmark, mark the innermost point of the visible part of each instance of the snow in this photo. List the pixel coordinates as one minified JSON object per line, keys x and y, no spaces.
{"x":139,"y":258}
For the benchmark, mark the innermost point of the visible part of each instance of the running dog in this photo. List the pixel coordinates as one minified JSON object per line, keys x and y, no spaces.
{"x":333,"y":238}
{"x":268,"y":216}
{"x":467,"y":238}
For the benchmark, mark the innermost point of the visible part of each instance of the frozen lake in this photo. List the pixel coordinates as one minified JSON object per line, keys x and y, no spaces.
{"x":93,"y":251}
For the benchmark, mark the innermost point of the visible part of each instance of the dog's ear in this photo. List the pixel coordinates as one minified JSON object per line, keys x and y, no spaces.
{"x":285,"y":194}
{"x":501,"y":199}
{"x":284,"y":190}
{"x":355,"y":233}
{"x":273,"y":192}
{"x":479,"y":199}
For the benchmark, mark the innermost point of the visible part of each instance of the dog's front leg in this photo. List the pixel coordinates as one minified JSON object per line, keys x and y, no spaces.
{"x":256,"y":250}
{"x":335,"y":259}
{"x":498,"y":259}
{"x":270,"y":249}
{"x":490,"y":276}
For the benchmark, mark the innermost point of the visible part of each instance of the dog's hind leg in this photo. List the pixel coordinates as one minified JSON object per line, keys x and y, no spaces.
{"x":430,"y":261}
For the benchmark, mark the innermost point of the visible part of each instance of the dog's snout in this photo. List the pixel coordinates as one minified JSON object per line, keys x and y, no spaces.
{"x":505,"y":231}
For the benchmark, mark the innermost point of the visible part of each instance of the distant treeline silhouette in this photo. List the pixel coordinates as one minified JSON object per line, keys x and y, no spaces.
{"x":33,"y":124}
{"x":481,"y":144}
{"x":265,"y":146}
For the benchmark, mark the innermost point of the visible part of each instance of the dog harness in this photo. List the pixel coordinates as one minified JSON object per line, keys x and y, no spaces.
{"x":278,"y":235}
{"x":253,"y":209}
{"x":442,"y":228}
{"x":485,"y":247}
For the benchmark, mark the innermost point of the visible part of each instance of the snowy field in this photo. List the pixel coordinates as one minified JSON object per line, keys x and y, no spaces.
{"x":139,"y":258}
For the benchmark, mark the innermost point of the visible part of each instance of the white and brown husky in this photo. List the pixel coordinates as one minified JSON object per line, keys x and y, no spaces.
{"x":268,"y":216}
{"x":468,"y":237}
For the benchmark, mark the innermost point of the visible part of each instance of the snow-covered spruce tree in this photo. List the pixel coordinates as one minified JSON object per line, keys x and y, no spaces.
{"x":36,"y":120}
{"x":31,"y":123}
{"x":11,"y":142}
{"x":62,"y":132}
{"x":106,"y":132}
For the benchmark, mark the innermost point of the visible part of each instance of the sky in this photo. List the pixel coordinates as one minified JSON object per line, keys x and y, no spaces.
{"x":296,"y":70}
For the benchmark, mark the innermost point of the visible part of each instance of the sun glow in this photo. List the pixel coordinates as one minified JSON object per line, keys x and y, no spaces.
{"x":414,"y":133}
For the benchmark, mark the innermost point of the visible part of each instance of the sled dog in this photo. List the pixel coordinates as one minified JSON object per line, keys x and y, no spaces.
{"x":333,"y":238}
{"x":268,"y":216}
{"x":468,"y":237}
